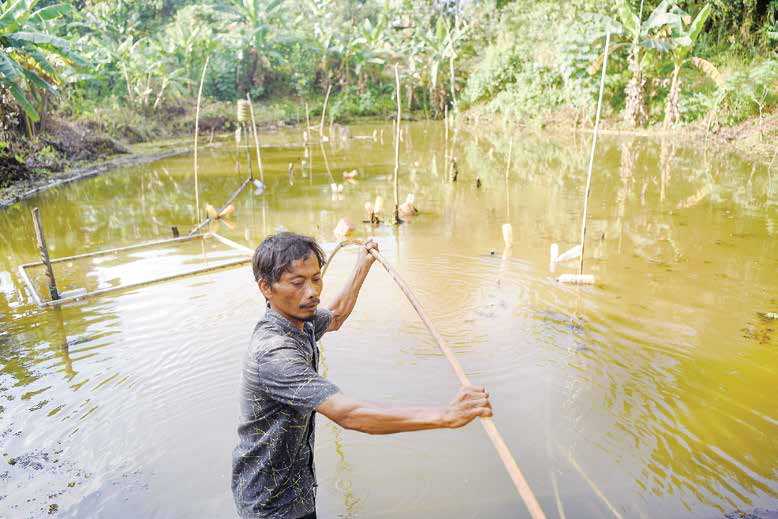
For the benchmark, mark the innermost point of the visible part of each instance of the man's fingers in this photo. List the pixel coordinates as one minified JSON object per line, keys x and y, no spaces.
{"x":479,"y":402}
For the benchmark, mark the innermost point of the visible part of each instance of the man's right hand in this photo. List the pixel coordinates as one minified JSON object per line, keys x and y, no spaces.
{"x":470,"y":402}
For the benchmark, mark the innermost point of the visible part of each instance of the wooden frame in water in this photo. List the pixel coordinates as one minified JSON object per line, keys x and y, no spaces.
{"x":146,"y":245}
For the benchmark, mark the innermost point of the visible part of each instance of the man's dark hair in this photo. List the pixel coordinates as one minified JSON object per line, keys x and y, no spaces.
{"x":277,"y":252}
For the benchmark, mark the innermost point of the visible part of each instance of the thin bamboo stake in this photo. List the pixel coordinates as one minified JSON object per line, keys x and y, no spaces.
{"x":324,"y":111}
{"x":507,"y":176}
{"x":591,"y":156}
{"x":445,"y":143}
{"x":256,"y":138}
{"x":491,"y":430}
{"x":44,"y":250}
{"x":397,"y":148}
{"x":196,"y":133}
{"x":248,"y":156}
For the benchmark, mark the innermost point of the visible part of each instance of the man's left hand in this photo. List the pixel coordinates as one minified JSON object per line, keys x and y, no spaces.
{"x":364,"y":255}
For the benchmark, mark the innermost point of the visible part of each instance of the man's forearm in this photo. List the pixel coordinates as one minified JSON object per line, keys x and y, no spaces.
{"x":378,"y":419}
{"x":342,"y":306}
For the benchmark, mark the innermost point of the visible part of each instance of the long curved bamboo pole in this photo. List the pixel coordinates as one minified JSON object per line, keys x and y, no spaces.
{"x":491,"y":430}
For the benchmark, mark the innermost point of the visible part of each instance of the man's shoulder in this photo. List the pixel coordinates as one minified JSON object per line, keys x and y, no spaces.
{"x":268,"y":337}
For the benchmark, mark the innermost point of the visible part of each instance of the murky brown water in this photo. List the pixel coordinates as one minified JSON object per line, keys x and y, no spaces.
{"x":651,"y":395}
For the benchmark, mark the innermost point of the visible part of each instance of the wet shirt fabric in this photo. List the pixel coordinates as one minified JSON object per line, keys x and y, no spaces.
{"x":272,"y":466}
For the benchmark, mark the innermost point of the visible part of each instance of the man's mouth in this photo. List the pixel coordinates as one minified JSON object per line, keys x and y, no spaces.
{"x":310,"y":306}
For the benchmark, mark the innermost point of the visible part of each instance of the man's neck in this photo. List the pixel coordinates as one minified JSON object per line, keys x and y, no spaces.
{"x":297,"y":323}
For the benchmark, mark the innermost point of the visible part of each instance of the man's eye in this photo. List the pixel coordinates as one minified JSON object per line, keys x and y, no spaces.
{"x":298,"y":283}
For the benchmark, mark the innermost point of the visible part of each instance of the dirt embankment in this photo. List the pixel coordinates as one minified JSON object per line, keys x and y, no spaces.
{"x":66,"y":152}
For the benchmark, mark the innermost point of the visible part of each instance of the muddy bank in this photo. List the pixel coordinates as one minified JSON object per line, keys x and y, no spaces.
{"x":27,"y":186}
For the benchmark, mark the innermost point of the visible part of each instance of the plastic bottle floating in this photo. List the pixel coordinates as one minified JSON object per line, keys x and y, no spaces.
{"x":407,"y":208}
{"x":577,"y":279}
{"x":343,"y":229}
{"x":259,"y":187}
{"x":507,"y":234}
{"x":222,"y":215}
{"x":568,"y":255}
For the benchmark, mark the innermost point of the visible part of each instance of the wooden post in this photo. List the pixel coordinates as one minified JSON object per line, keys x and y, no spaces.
{"x":44,"y":250}
{"x":397,"y":149}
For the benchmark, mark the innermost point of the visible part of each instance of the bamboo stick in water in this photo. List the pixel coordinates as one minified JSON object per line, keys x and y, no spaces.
{"x":397,"y":149}
{"x":256,"y":138}
{"x":591,"y":156}
{"x":196,"y":132}
{"x":44,"y":250}
{"x":324,"y":111}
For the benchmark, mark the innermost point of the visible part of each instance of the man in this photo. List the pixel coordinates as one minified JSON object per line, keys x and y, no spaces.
{"x":272,"y":471}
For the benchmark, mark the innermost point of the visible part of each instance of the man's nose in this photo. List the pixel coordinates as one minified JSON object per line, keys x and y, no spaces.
{"x":312,"y":291}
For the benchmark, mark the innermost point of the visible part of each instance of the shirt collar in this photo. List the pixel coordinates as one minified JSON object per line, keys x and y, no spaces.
{"x":277,"y":318}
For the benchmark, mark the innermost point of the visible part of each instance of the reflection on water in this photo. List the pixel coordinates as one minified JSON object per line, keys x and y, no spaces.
{"x":651,"y":394}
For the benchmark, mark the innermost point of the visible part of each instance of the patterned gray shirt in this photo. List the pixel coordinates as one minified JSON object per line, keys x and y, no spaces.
{"x":272,"y":466}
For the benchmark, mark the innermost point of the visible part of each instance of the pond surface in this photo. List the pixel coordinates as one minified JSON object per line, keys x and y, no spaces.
{"x":652,"y":394}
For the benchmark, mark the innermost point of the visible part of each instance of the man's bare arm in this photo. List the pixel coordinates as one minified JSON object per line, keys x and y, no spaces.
{"x":342,"y":306}
{"x":370,"y":418}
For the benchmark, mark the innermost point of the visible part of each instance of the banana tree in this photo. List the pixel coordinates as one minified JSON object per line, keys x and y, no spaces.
{"x":639,"y":37}
{"x":29,"y":55}
{"x":441,"y":47}
{"x":257,"y":22}
{"x":684,"y":35}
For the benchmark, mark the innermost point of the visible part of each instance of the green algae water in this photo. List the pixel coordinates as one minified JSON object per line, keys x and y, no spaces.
{"x":652,"y":394}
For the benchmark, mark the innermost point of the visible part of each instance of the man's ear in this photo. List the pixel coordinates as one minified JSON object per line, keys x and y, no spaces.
{"x":265,"y":288}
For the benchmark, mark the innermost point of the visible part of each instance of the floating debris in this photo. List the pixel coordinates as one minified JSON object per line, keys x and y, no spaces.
{"x":348,"y":175}
{"x":336,"y":188}
{"x":372,"y":217}
{"x":343,"y":229}
{"x":378,"y":205}
{"x":454,"y":170}
{"x":478,"y":182}
{"x":259,"y":187}
{"x":407,"y":208}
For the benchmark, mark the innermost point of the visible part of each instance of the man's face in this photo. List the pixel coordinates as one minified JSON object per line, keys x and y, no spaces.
{"x":296,"y":293}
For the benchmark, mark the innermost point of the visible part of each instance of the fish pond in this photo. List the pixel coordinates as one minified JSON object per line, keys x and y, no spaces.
{"x":650,"y":394}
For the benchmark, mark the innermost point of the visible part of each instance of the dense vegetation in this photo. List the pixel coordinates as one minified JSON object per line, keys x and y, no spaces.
{"x":126,"y":65}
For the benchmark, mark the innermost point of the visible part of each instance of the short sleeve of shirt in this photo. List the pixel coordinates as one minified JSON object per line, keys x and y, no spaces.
{"x":321,"y":322}
{"x":286,"y":376}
